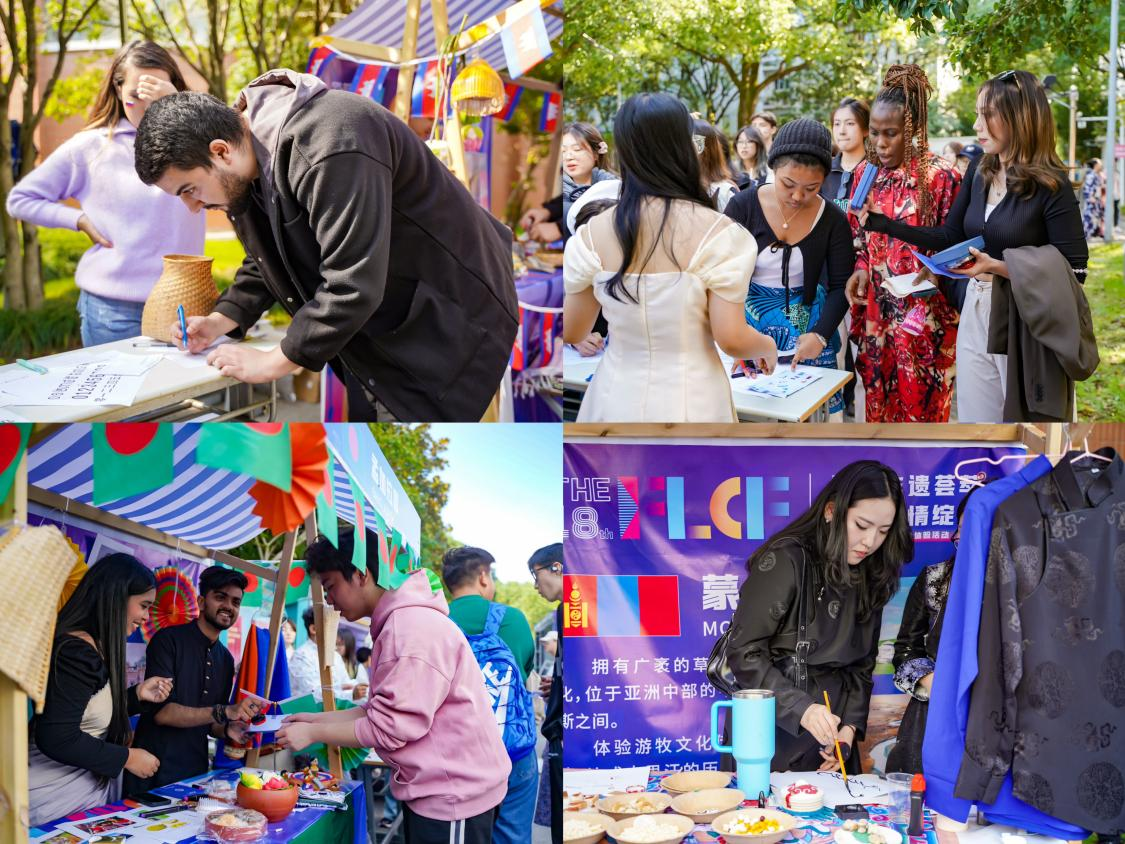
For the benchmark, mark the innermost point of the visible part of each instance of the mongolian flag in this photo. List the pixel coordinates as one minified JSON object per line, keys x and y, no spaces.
{"x":621,"y":605}
{"x":371,"y":81}
{"x":359,"y":547}
{"x":131,"y":458}
{"x":512,"y":93}
{"x":13,"y":440}
{"x":319,"y":59}
{"x":424,"y":94}
{"x":260,"y":450}
{"x":549,"y":116}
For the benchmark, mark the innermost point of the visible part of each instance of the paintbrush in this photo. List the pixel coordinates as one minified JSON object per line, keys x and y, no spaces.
{"x":839,"y":754}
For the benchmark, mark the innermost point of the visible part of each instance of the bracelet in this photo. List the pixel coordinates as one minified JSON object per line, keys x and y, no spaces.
{"x":219,"y":714}
{"x":823,"y":342}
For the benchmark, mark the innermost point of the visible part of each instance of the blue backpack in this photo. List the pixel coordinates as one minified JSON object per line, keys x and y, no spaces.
{"x":511,"y":701}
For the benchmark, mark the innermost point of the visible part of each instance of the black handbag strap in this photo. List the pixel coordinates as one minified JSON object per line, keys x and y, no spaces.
{"x":803,"y":643}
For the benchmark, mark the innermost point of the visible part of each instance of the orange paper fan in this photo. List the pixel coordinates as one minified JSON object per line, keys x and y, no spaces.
{"x":280,"y":511}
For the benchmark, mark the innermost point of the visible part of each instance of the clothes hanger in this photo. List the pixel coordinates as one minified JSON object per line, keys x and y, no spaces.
{"x":1086,"y":453}
{"x":975,"y":480}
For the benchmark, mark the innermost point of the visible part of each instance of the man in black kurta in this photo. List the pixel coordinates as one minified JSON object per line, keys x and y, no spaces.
{"x":390,"y":270}
{"x":202,"y":670}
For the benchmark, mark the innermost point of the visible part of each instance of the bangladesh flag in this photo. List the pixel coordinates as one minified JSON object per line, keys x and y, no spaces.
{"x":258,"y":449}
{"x":131,"y":458}
{"x":327,"y":521}
{"x":13,"y":440}
{"x":254,"y":594}
{"x":298,"y":585}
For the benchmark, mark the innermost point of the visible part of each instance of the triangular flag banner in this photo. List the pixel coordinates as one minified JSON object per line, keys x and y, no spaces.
{"x":327,"y":520}
{"x":252,"y":597}
{"x":260,"y":450}
{"x":298,"y":585}
{"x":131,"y":458}
{"x":359,"y":546}
{"x":371,"y":81}
{"x":13,"y":441}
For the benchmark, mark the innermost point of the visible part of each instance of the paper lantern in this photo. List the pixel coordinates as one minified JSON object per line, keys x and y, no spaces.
{"x":175,"y":604}
{"x":478,"y":89}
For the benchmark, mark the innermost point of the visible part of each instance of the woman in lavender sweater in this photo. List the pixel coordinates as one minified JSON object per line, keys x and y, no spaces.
{"x":132,"y":225}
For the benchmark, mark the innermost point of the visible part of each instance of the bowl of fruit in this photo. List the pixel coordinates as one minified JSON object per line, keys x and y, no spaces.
{"x":266,"y":792}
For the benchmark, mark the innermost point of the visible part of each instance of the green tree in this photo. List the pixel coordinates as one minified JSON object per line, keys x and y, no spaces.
{"x":22,"y":60}
{"x":416,"y":456}
{"x":526,"y":598}
{"x":755,"y":43}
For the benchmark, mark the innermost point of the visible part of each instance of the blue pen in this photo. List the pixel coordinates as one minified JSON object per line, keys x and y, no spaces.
{"x":183,"y":324}
{"x":34,"y":367}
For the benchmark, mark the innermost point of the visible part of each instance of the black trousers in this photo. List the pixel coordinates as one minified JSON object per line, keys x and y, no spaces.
{"x":555,"y":772}
{"x":422,"y":830}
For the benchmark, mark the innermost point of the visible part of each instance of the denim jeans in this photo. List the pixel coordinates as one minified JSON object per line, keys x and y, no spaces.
{"x":105,"y":320}
{"x":513,"y":820}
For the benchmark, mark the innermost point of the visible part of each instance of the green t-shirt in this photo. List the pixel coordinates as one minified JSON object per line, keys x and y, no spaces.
{"x":469,"y":612}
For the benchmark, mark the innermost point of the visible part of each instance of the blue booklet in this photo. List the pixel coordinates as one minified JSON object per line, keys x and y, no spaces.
{"x":864,"y":187}
{"x":944,"y":263}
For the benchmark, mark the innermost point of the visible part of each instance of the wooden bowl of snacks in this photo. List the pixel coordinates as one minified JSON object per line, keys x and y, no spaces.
{"x":753,"y":826}
{"x":706,"y":805}
{"x":584,"y":827}
{"x":620,"y":805}
{"x":651,"y":829}
{"x":686,"y":781}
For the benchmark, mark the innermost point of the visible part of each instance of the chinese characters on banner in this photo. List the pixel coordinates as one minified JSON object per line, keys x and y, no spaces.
{"x":657,"y":538}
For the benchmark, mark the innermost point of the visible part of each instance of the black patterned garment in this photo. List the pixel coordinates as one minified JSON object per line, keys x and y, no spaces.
{"x":1053,"y":620}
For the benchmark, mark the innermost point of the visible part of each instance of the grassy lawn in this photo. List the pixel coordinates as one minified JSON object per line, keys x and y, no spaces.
{"x":1102,"y":398}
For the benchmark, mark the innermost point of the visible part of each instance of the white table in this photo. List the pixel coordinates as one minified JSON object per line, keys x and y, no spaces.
{"x":170,"y":392}
{"x":807,"y":405}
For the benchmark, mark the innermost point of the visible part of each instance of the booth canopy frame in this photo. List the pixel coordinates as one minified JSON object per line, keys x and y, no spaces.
{"x":14,"y":796}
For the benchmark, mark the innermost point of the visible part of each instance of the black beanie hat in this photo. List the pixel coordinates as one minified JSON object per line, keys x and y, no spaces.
{"x":803,"y":136}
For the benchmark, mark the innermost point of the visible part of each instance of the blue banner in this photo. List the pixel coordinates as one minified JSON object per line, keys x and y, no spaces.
{"x":675,"y":523}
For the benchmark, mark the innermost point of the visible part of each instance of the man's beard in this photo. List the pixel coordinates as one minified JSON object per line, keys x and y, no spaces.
{"x":214,"y":620}
{"x":237,"y":190}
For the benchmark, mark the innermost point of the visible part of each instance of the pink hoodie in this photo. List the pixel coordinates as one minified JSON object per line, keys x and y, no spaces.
{"x":428,"y":714}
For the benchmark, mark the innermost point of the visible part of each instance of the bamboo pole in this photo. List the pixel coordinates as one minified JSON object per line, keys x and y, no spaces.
{"x":451,"y":128}
{"x":407,"y":54}
{"x":328,"y":694}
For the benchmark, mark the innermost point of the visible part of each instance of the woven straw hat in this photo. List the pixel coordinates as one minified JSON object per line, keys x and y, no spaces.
{"x":186,"y":281}
{"x":29,"y":605}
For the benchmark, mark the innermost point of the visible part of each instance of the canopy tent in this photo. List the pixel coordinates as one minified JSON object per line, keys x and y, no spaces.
{"x":408,"y":36}
{"x":382,"y":23}
{"x":202,"y":511}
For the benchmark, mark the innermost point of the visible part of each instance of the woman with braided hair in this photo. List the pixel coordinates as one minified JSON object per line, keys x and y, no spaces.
{"x":906,"y":345}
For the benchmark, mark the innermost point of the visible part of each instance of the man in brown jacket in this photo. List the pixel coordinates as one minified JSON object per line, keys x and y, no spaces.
{"x":390,"y":270}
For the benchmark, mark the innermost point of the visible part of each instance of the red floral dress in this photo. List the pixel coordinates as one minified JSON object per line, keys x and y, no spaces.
{"x":906,"y":377}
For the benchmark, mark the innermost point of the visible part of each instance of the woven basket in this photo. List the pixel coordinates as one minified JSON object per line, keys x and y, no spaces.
{"x":478,"y":89}
{"x":29,"y":604}
{"x":186,"y":281}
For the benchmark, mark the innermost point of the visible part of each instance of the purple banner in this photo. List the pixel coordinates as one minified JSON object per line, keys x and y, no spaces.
{"x":656,"y":545}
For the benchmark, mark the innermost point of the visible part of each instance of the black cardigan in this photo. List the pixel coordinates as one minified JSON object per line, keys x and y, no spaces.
{"x":826,"y":251}
{"x":77,"y":674}
{"x":1041,"y":219}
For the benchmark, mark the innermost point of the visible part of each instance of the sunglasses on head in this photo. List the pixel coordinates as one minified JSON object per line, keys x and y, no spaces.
{"x":700,"y":142}
{"x":1005,"y":76}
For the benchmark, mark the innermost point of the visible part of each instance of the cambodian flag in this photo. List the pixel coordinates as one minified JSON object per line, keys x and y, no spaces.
{"x":547,"y":337}
{"x":371,"y":81}
{"x":424,"y":94}
{"x":621,"y":605}
{"x":512,"y":95}
{"x":549,"y":116}
{"x":519,"y":348}
{"x":319,"y":60}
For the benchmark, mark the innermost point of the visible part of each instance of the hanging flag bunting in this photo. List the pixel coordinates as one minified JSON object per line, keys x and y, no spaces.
{"x":359,"y":546}
{"x":525,"y":41}
{"x":260,"y":450}
{"x":519,"y":348}
{"x":549,"y":116}
{"x":298,"y":585}
{"x":13,"y":441}
{"x":424,"y":98}
{"x":319,"y":60}
{"x":327,"y":520}
{"x":547,"y":338}
{"x":371,"y":81}
{"x":130,"y":458}
{"x":255,"y":587}
{"x":512,"y":94}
